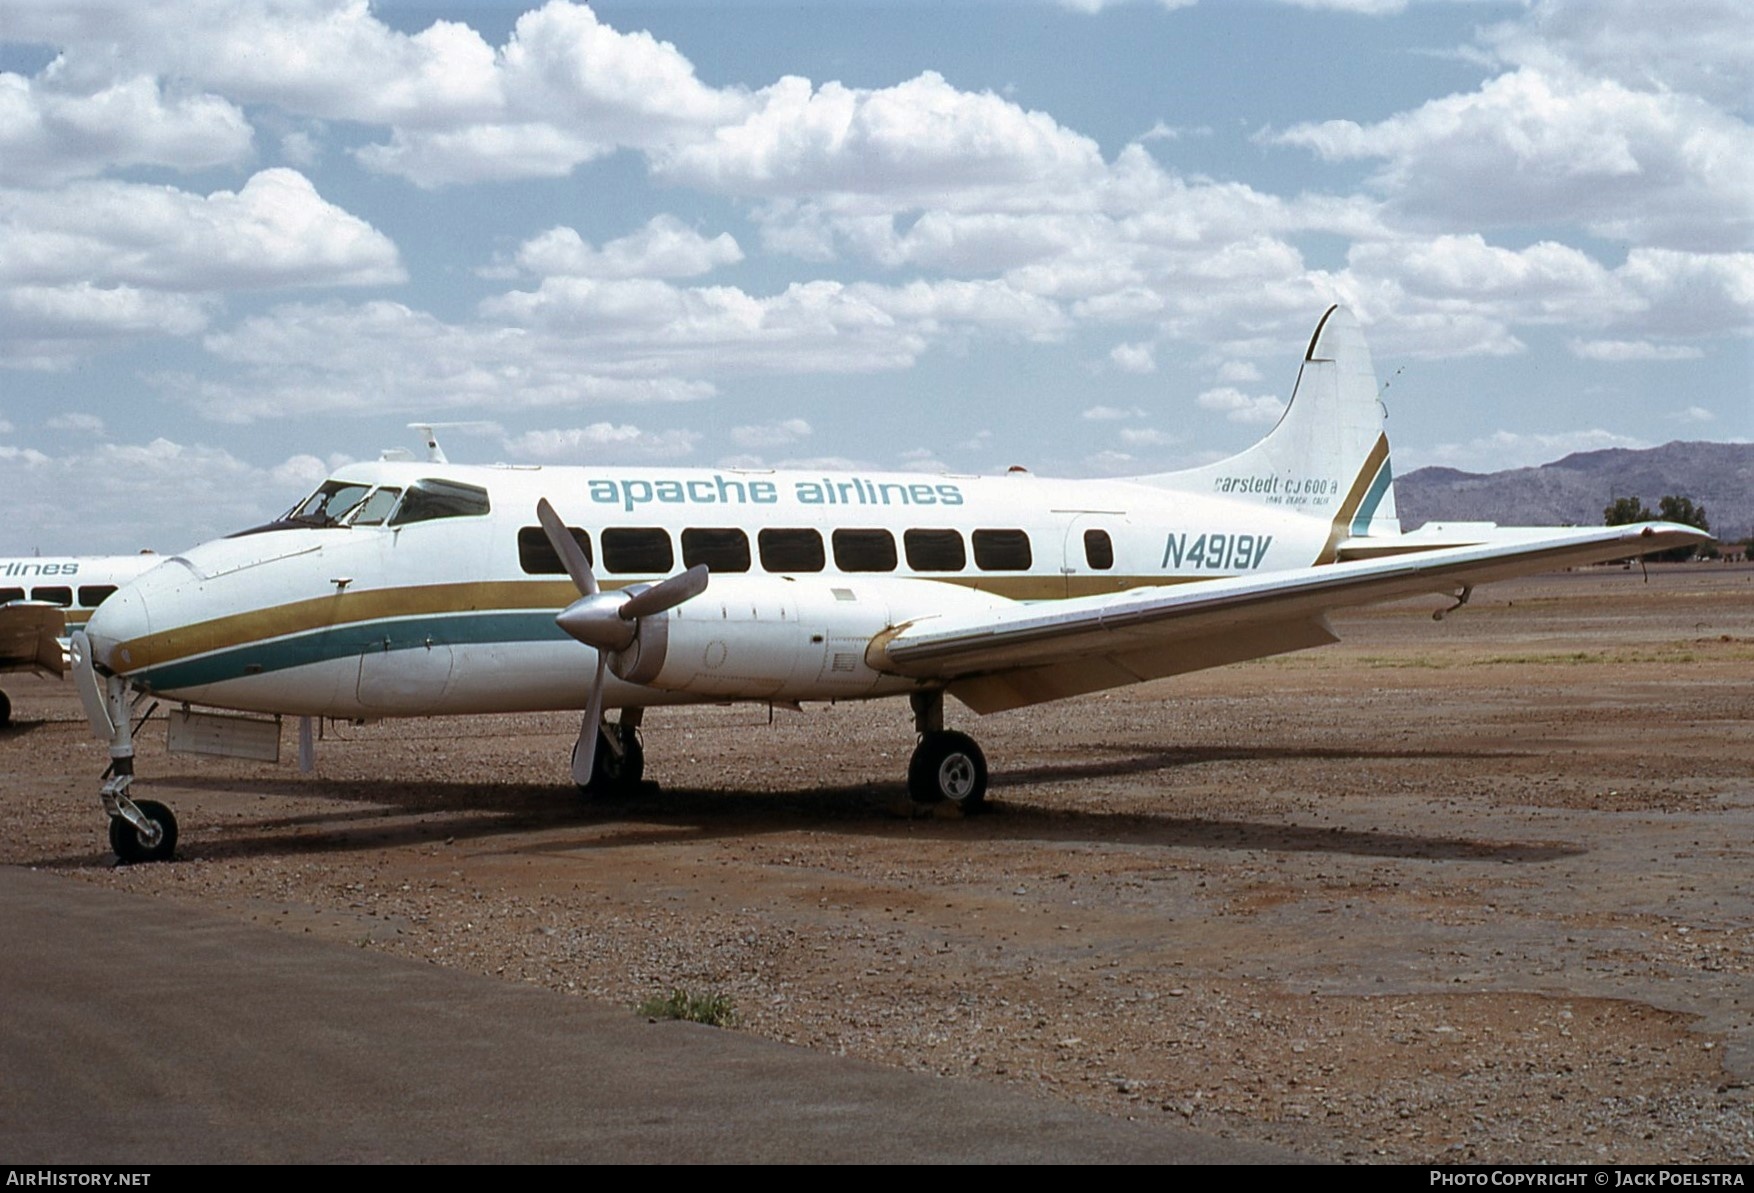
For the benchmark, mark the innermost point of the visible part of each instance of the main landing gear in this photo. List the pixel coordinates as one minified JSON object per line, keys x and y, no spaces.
{"x":946,"y":766}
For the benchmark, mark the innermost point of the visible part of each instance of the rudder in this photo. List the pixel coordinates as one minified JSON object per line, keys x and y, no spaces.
{"x":1328,"y":455}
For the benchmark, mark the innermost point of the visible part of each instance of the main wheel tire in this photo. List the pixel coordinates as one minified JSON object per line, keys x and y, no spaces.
{"x":126,"y":841}
{"x":948,"y":766}
{"x":5,"y":711}
{"x":611,"y":774}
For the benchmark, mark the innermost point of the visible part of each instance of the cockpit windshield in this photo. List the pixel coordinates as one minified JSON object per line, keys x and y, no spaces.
{"x":331,"y":503}
{"x":338,"y":503}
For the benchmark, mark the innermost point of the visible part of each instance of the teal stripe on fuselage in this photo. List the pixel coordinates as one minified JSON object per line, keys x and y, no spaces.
{"x":351,"y":641}
{"x":1367,"y":508}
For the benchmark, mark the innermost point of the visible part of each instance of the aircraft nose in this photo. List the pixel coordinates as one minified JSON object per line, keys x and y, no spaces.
{"x":119,"y":621}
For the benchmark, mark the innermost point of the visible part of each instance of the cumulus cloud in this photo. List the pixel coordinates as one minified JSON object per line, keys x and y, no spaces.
{"x":52,"y":327}
{"x":329,"y":58}
{"x":1617,"y":351}
{"x":1646,"y":166}
{"x":1147,"y":437}
{"x":163,"y":495}
{"x":274,"y":231}
{"x":922,"y":138}
{"x":819,"y":326}
{"x":770,"y":435}
{"x":97,"y":262}
{"x":563,"y":90}
{"x":1691,"y":294}
{"x":50,"y":135}
{"x":1239,"y":407}
{"x":1133,"y":358}
{"x":1503,"y":450}
{"x":602,"y":443}
{"x":300,"y":148}
{"x":78,"y":422}
{"x":1374,"y":8}
{"x":300,"y":359}
{"x":1703,"y":47}
{"x":664,"y":248}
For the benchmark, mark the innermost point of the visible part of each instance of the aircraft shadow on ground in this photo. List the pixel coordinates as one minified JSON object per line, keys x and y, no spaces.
{"x":398,"y":813}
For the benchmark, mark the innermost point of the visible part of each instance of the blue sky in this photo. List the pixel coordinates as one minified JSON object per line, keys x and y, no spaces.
{"x":243,"y":241}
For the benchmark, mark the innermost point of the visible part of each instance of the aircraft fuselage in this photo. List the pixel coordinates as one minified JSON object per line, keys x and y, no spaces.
{"x":454,"y":612}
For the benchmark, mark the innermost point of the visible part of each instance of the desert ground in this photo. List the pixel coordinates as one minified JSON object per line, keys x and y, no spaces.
{"x":1474,"y":890}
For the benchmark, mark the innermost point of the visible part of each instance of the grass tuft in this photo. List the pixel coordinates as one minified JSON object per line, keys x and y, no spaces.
{"x":714,"y":1010}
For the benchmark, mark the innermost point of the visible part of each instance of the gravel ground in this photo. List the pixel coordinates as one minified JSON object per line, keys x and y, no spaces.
{"x":1473,"y":891}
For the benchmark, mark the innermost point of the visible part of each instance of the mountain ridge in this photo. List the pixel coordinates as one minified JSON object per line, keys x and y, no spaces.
{"x":1575,"y":489}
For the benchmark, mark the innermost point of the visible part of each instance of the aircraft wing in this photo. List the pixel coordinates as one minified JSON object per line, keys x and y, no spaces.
{"x":1064,"y":648}
{"x":30,"y":637}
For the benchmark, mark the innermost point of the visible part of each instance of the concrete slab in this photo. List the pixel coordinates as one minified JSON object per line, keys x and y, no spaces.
{"x":138,"y":1031}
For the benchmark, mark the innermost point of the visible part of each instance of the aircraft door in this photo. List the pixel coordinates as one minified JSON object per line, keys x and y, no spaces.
{"x":404,"y":671}
{"x":405,"y":665}
{"x":1088,"y":554}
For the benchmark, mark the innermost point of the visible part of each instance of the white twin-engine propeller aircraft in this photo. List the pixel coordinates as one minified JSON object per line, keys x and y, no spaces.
{"x":404,"y":588}
{"x":44,"y":598}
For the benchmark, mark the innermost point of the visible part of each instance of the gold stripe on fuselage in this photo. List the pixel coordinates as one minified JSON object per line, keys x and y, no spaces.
{"x":353,"y":608}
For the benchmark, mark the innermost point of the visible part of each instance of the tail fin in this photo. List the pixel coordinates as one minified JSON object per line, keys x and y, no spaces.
{"x":1328,"y":456}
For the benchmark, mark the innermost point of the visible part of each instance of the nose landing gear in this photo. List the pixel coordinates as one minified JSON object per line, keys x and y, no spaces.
{"x":140,"y":830}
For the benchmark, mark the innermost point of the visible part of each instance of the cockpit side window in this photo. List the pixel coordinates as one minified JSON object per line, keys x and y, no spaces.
{"x":374,"y":509}
{"x":430,"y":498}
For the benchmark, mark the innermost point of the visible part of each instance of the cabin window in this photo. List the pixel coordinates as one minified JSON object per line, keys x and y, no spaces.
{"x":93,"y":595}
{"x":11,"y":594}
{"x":864,"y":550}
{"x":721,"y":550}
{"x":536,"y":555}
{"x":374,"y":509}
{"x":430,"y":499}
{"x":54,"y":594}
{"x":638,"y":550}
{"x":789,"y":550}
{"x":1099,"y":550}
{"x":935,"y":550}
{"x":1002,"y":551}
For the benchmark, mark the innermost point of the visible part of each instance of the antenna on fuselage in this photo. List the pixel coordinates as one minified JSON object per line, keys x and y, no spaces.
{"x":1382,"y":405}
{"x":434,"y":453}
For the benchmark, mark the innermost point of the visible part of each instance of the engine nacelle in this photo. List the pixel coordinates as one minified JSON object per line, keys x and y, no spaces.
{"x":786,"y":638}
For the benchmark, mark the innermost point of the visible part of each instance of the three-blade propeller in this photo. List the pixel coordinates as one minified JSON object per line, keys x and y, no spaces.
{"x":609,"y":622}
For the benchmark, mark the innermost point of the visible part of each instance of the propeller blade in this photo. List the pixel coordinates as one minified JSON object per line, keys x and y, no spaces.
{"x":583,"y":760}
{"x":567,"y":547}
{"x":666,"y":594}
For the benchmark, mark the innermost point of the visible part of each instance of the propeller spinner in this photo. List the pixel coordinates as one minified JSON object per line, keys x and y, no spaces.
{"x":609,"y":622}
